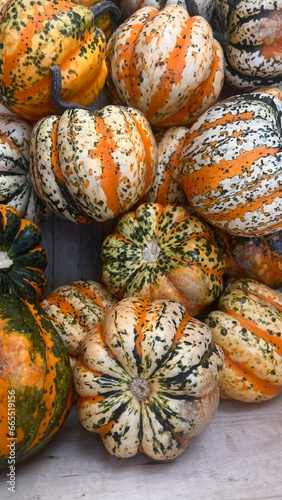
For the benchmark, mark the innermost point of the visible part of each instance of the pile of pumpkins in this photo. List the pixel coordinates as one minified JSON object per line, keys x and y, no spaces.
{"x":188,"y":310}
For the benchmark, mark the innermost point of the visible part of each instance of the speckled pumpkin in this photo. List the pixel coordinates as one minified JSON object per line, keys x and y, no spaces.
{"x":92,"y":166}
{"x":166,"y":64}
{"x":161,"y":251}
{"x":256,"y":257}
{"x":37,"y":35}
{"x":231,"y":164}
{"x":148,"y":379}
{"x":22,"y":258}
{"x":74,"y":309}
{"x":36,"y":379}
{"x":166,"y":187}
{"x":16,"y":188}
{"x":247,"y":324}
{"x":250,"y":33}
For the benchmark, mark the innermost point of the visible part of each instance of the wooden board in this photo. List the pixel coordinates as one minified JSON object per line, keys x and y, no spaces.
{"x":238,"y":457}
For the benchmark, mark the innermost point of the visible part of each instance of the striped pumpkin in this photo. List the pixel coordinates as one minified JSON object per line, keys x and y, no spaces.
{"x":148,"y":379}
{"x":166,"y":64}
{"x":36,"y":379}
{"x":166,"y":187}
{"x":16,"y":188}
{"x":55,"y":33}
{"x":22,"y":258}
{"x":231,"y":164}
{"x":250,"y":33}
{"x":161,"y":252}
{"x":92,"y":166}
{"x":74,"y":309}
{"x":247,"y":325}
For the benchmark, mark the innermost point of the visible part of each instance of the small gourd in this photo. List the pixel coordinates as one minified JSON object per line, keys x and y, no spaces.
{"x":161,"y":252}
{"x":247,"y":325}
{"x":147,"y":379}
{"x":36,"y":379}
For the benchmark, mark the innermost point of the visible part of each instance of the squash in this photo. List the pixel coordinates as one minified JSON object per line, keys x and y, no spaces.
{"x":55,"y":33}
{"x":36,"y":379}
{"x":147,"y":379}
{"x":256,"y":257}
{"x":247,"y":325}
{"x":92,"y":166}
{"x":15,"y":186}
{"x":166,"y":64}
{"x":166,"y":187}
{"x":74,"y":309}
{"x":22,"y":259}
{"x":230,"y":164}
{"x":163,"y":252}
{"x":250,"y":34}
{"x":203,"y":8}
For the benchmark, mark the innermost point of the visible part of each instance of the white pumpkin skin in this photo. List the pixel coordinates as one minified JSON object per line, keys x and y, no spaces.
{"x":147,"y":379}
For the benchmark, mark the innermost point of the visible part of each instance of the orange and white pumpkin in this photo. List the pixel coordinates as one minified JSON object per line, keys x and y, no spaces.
{"x":231,"y":164}
{"x":165,"y":63}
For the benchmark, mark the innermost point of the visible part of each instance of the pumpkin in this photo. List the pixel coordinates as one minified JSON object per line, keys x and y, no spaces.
{"x":166,"y":64}
{"x":247,"y":325}
{"x":147,"y":379}
{"x":22,"y":259}
{"x":163,"y":252}
{"x":55,"y":33}
{"x":36,"y":379}
{"x":92,"y":166}
{"x":256,"y":257}
{"x":74,"y":309}
{"x":230,"y":164}
{"x":202,"y":7}
{"x":166,"y":187}
{"x":250,"y":34}
{"x":15,"y":186}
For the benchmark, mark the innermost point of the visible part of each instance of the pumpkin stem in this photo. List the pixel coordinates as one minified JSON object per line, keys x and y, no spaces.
{"x":151,"y":251}
{"x":102,"y":7}
{"x":56,"y":89}
{"x":192,"y":8}
{"x":140,"y":388}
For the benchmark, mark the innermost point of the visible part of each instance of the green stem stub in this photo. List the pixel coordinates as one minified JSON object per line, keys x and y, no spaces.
{"x":5,"y":261}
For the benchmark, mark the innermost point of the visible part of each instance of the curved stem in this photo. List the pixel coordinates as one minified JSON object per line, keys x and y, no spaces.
{"x":192,"y":8}
{"x":111,"y":7}
{"x":56,"y":88}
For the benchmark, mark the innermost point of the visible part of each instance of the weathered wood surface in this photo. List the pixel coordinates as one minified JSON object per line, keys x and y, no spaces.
{"x":237,"y":458}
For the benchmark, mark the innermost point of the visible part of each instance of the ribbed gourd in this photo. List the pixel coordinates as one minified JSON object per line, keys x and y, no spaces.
{"x":231,"y":164}
{"x":147,"y":379}
{"x":36,"y":390}
{"x":92,"y":166}
{"x":161,"y":252}
{"x":247,"y":324}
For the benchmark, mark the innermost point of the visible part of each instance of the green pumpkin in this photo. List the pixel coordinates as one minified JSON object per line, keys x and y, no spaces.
{"x":22,"y":259}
